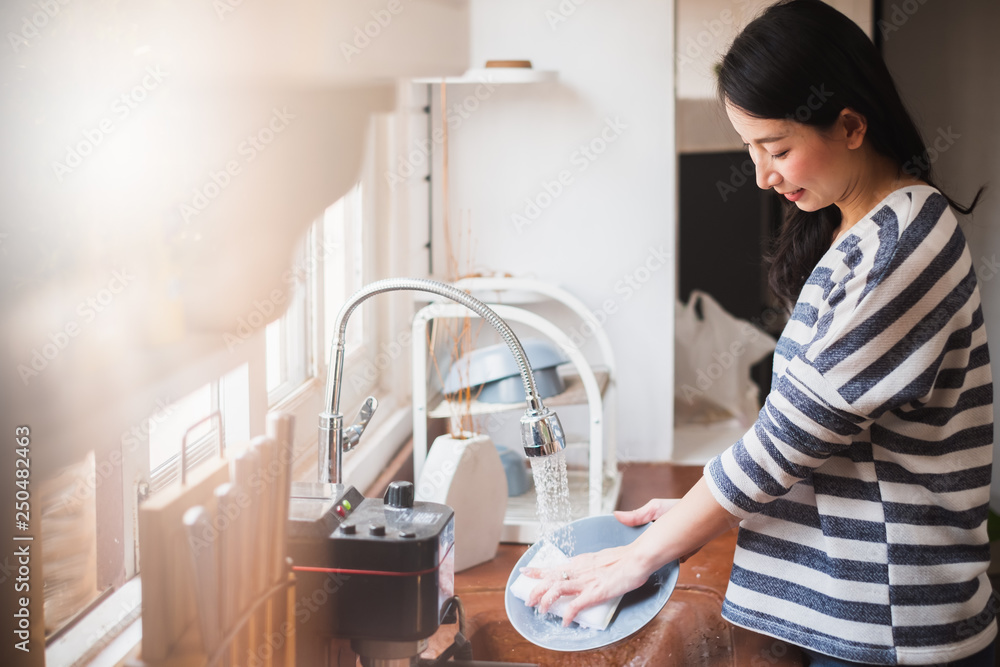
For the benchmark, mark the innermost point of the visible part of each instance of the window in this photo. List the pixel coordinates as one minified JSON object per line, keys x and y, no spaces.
{"x":282,"y":366}
{"x":328,"y":268}
{"x":287,"y":339}
{"x":343,"y":263}
{"x":107,"y":488}
{"x":229,"y":396}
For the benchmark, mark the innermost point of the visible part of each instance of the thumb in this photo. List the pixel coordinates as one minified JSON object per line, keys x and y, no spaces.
{"x":651,"y":511}
{"x":639,"y":517}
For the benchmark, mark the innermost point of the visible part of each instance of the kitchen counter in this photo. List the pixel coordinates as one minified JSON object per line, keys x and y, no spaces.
{"x":688,"y":631}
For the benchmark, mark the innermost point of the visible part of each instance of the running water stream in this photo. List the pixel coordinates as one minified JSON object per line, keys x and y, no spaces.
{"x":553,"y":506}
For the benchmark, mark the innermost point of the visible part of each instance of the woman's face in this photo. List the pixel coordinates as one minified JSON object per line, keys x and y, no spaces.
{"x":809,"y":167}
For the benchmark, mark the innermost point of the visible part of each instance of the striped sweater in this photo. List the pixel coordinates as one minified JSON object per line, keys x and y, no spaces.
{"x":863,"y":486}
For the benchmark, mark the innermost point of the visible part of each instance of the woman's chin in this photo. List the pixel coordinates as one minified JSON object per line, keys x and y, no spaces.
{"x":807,"y":205}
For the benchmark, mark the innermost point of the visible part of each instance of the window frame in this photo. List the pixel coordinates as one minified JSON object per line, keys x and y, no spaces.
{"x":306,"y":401}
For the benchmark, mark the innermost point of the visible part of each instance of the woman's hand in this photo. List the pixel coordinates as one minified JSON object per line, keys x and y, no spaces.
{"x":593,"y":578}
{"x":681,"y":528}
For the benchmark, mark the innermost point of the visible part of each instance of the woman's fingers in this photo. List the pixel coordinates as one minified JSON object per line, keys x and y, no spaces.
{"x":578,"y":604}
{"x":583,"y":573}
{"x":637,"y":517}
{"x":558,"y":590}
{"x":651,"y":511}
{"x":551,"y":580}
{"x":545,"y":594}
{"x":535,"y":596}
{"x":538,"y":592}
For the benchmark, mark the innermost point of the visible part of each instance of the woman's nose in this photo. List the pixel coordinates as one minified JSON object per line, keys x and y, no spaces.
{"x":766,"y":177}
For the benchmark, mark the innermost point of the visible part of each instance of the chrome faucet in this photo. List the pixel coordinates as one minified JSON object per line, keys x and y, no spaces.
{"x":541,"y":432}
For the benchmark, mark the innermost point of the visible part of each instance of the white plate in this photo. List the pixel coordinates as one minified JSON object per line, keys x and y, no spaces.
{"x":636,"y":609}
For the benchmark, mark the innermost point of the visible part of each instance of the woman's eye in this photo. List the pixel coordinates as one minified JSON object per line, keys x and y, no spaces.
{"x":780,"y":155}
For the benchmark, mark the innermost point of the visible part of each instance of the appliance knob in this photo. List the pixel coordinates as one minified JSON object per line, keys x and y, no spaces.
{"x":399,"y":495}
{"x":376,"y":530}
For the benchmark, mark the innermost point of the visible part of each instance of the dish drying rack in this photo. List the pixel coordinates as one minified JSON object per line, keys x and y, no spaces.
{"x":596,"y":489}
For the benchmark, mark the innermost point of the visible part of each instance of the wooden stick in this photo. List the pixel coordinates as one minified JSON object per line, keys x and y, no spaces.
{"x":245,"y":468}
{"x":168,"y":598}
{"x":280,"y":428}
{"x":228,"y":567}
{"x":204,"y":563}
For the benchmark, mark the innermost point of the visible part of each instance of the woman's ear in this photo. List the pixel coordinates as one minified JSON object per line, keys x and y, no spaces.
{"x":854,"y":126}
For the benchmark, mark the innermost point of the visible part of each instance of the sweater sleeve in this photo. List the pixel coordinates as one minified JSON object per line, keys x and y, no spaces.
{"x":906,"y":302}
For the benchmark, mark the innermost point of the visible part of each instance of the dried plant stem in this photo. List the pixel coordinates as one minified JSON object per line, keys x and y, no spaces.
{"x":461,"y":340}
{"x":450,"y":258}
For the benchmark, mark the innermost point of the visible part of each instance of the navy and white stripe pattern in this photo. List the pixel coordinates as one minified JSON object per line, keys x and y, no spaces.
{"x":864,"y":484}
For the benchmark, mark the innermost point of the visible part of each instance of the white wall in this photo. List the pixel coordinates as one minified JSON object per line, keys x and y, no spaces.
{"x":943,"y":57}
{"x":613,"y":214}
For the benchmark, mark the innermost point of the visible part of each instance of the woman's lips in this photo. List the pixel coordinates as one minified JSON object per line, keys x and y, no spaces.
{"x":794,"y":196}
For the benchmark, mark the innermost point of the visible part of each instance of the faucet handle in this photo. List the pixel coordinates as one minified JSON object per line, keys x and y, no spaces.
{"x":353,"y":433}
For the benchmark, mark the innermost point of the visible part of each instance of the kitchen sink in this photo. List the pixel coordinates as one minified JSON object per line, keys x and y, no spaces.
{"x":689,"y":631}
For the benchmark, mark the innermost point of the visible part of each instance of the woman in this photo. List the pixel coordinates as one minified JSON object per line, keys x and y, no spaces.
{"x":861,"y":491}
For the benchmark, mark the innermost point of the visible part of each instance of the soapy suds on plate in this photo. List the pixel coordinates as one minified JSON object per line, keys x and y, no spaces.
{"x":553,"y":506}
{"x":551,"y":629}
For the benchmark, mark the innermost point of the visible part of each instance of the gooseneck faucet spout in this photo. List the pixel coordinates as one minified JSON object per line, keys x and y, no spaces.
{"x":541,"y":432}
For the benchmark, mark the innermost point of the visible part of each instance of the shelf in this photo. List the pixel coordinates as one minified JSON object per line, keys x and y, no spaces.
{"x":592,"y":495}
{"x":574,"y":394}
{"x":496,"y":75}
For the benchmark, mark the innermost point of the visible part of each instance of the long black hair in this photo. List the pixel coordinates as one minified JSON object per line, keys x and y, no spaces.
{"x":802,"y":60}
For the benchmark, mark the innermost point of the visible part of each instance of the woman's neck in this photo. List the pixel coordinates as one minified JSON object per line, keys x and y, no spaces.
{"x":876,"y":178}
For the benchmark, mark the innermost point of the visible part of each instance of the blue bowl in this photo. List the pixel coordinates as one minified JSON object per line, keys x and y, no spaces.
{"x":518,"y":480}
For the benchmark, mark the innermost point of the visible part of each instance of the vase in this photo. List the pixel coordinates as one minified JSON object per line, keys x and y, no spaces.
{"x":466,"y":474}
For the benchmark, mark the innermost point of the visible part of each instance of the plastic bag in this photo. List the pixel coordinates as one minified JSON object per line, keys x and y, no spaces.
{"x":713,"y":354}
